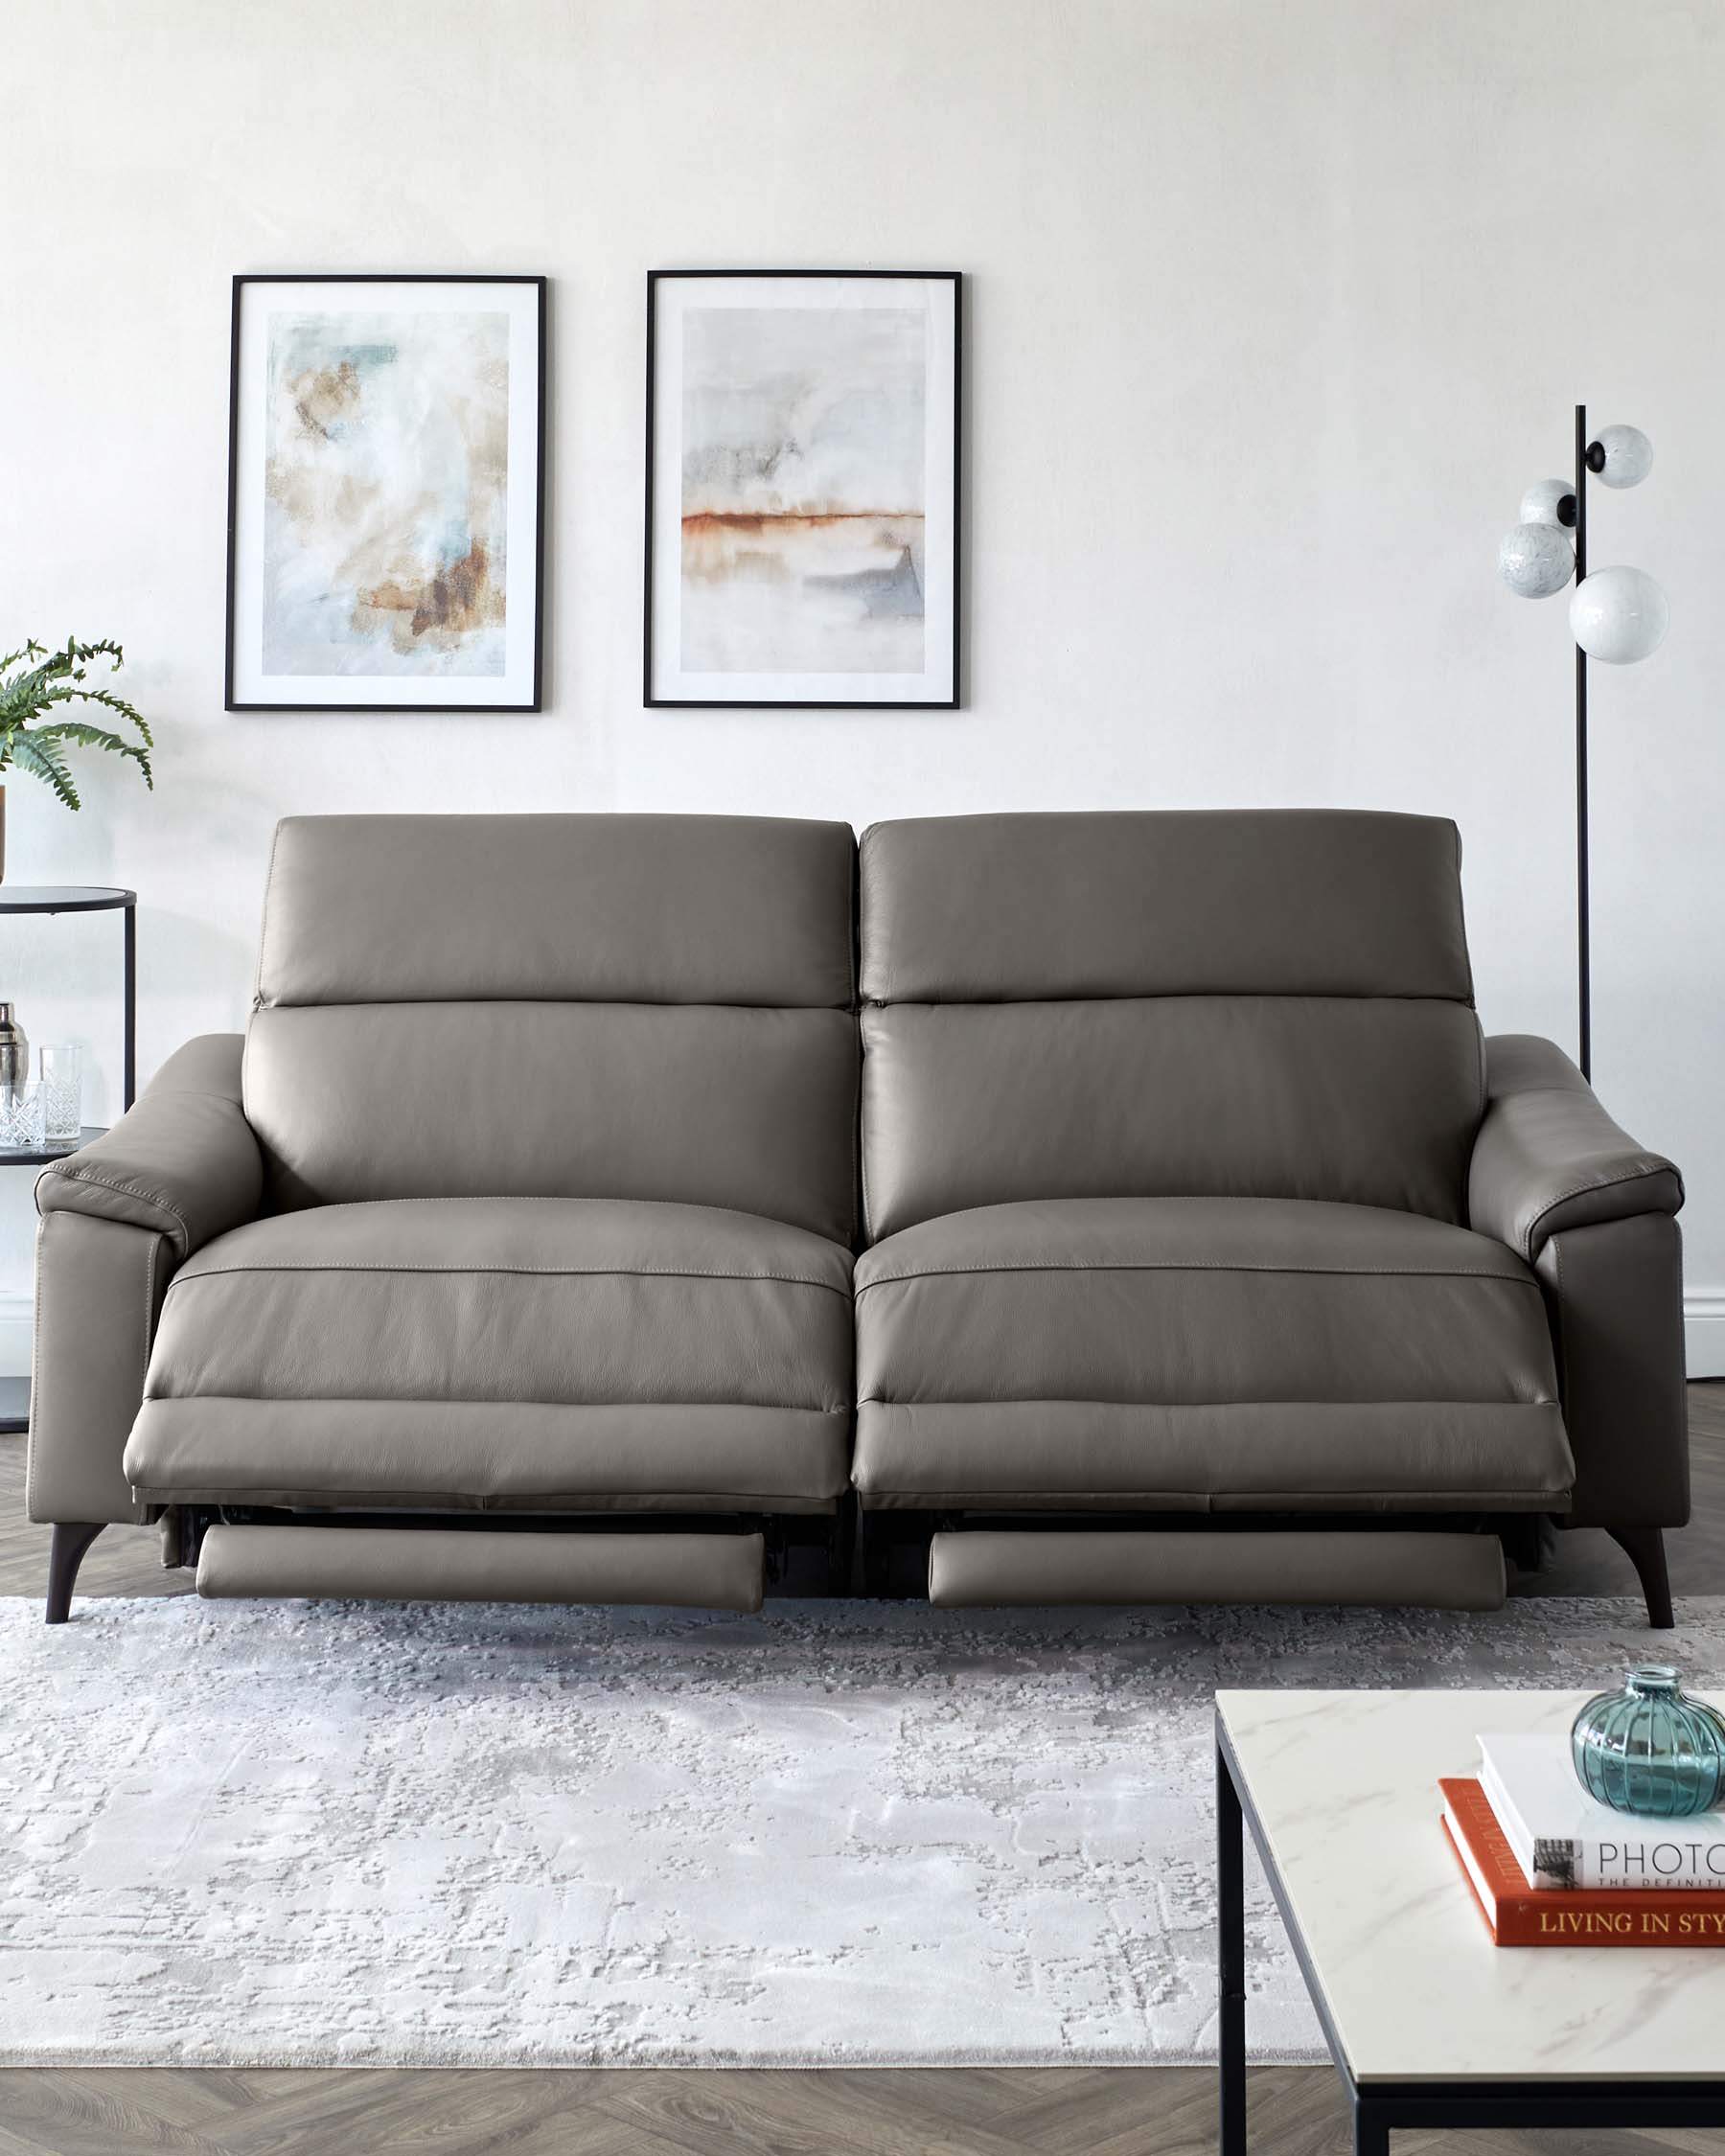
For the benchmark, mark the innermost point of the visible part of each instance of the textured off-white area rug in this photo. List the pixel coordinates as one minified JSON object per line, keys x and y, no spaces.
{"x":860,"y":1833}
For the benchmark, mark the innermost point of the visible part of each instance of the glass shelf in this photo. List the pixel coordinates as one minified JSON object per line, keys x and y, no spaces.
{"x":64,"y":898}
{"x":39,"y":1156}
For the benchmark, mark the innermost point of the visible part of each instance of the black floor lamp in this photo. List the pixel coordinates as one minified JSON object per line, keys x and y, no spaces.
{"x":1617,"y":614}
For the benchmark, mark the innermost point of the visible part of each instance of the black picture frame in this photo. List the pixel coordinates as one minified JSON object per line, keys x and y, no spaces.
{"x":953,"y":701}
{"x":541,"y":287}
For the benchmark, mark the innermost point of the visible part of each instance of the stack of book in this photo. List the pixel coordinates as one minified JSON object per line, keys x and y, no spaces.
{"x":1548,"y":1866}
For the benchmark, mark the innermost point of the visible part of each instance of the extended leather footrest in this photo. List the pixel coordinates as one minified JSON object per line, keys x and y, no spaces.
{"x":716,"y":1572}
{"x":1390,"y":1570}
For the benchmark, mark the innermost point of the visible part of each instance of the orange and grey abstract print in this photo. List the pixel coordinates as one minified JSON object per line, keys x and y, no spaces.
{"x":803,"y":489}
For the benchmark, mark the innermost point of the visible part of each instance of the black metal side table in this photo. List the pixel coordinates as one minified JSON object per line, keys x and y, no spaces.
{"x":73,"y":898}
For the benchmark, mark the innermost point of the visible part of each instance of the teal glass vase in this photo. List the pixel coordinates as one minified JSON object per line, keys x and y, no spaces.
{"x":1650,"y":1749}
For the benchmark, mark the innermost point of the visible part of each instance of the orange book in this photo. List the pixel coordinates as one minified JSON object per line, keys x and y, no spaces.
{"x":1517,"y":1914}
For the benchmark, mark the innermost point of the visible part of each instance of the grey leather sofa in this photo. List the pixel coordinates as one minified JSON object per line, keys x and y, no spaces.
{"x":1206,"y":1250}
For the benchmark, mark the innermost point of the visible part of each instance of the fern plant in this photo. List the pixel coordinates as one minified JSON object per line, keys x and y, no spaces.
{"x":33,"y":739}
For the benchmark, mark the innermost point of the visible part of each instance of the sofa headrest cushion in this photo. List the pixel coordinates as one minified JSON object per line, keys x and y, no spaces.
{"x":559,"y":908}
{"x":1053,"y":907}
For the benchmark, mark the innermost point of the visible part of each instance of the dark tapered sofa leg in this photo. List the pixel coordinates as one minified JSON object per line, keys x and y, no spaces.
{"x":1646,"y":1548}
{"x":65,"y":1553}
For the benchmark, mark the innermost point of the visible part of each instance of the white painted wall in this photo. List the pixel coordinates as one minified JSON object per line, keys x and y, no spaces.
{"x":1274,"y":310}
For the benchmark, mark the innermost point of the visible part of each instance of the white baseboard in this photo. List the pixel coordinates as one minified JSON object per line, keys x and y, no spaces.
{"x":1704,"y":1331}
{"x":14,"y":1335}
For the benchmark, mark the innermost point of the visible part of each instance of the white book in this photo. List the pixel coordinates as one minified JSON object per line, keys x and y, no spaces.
{"x":1563,"y":1838}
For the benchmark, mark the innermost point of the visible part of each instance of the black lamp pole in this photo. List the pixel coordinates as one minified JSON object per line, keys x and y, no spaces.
{"x":1589,"y":457}
{"x":1622,"y":619}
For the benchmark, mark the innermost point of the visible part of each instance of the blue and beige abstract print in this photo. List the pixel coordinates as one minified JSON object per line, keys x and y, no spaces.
{"x":386,"y":442}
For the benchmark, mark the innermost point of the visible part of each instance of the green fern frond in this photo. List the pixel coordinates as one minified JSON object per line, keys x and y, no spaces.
{"x":22,"y":696}
{"x":103,"y":645}
{"x":95,"y":737}
{"x":69,"y":691}
{"x":30,"y":755}
{"x":56,"y":679}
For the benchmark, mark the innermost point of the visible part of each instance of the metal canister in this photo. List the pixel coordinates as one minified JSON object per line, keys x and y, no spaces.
{"x":14,"y":1056}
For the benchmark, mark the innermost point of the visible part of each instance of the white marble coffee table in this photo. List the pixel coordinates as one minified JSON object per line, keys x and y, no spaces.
{"x":1429,"y":2024}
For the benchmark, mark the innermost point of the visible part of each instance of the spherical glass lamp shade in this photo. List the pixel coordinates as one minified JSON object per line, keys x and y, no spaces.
{"x":1544,"y":500}
{"x":1628,"y":457}
{"x":1536,"y":560}
{"x":1618,"y":615}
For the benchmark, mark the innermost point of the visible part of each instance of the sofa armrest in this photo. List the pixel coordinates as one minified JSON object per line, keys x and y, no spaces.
{"x":1614,"y":1291}
{"x":183,"y":1162}
{"x":1548,"y":1156}
{"x":98,"y":1289}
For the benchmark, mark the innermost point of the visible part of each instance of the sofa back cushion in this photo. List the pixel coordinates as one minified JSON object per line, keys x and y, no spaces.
{"x":1254,"y":1003}
{"x":596,"y":1006}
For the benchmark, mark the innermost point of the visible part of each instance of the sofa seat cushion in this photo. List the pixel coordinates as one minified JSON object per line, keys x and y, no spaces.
{"x":502,"y":1350}
{"x":1204,"y":1353}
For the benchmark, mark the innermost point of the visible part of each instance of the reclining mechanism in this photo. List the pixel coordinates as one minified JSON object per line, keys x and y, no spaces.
{"x":694,"y":1560}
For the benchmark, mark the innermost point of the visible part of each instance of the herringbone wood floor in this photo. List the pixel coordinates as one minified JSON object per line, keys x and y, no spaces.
{"x":1296,"y":2111}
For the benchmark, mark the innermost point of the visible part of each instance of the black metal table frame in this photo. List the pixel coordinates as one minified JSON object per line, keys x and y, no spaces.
{"x":75,"y":898}
{"x":1379,"y":2106}
{"x":85,"y":898}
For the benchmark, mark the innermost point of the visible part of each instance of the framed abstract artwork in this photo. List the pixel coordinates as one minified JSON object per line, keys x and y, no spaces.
{"x":803,"y":488}
{"x":386,"y":486}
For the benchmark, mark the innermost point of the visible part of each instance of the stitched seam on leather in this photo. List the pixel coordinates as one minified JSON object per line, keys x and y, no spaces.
{"x":1001,"y":1001}
{"x":559,"y":1407}
{"x":580,"y":1406}
{"x":1582,"y":1091}
{"x":125,"y":1191}
{"x":1581,"y":1189}
{"x":1462,"y":931}
{"x":149,"y":1267}
{"x":521,"y":1271}
{"x":178,"y":1092}
{"x":1199,"y":1265}
{"x":1484,"y":1079}
{"x":35,"y":1365}
{"x":1384,"y":1504}
{"x":855,"y":1200}
{"x":856,"y":1138}
{"x":538,"y":1198}
{"x":856,"y":920}
{"x":1187,"y":1407}
{"x":862,"y":1082}
{"x":1179,"y":1503}
{"x":73,"y":1172}
{"x":275,"y":840}
{"x":196,"y":1093}
{"x":558,"y":1198}
{"x":555,"y":1503}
